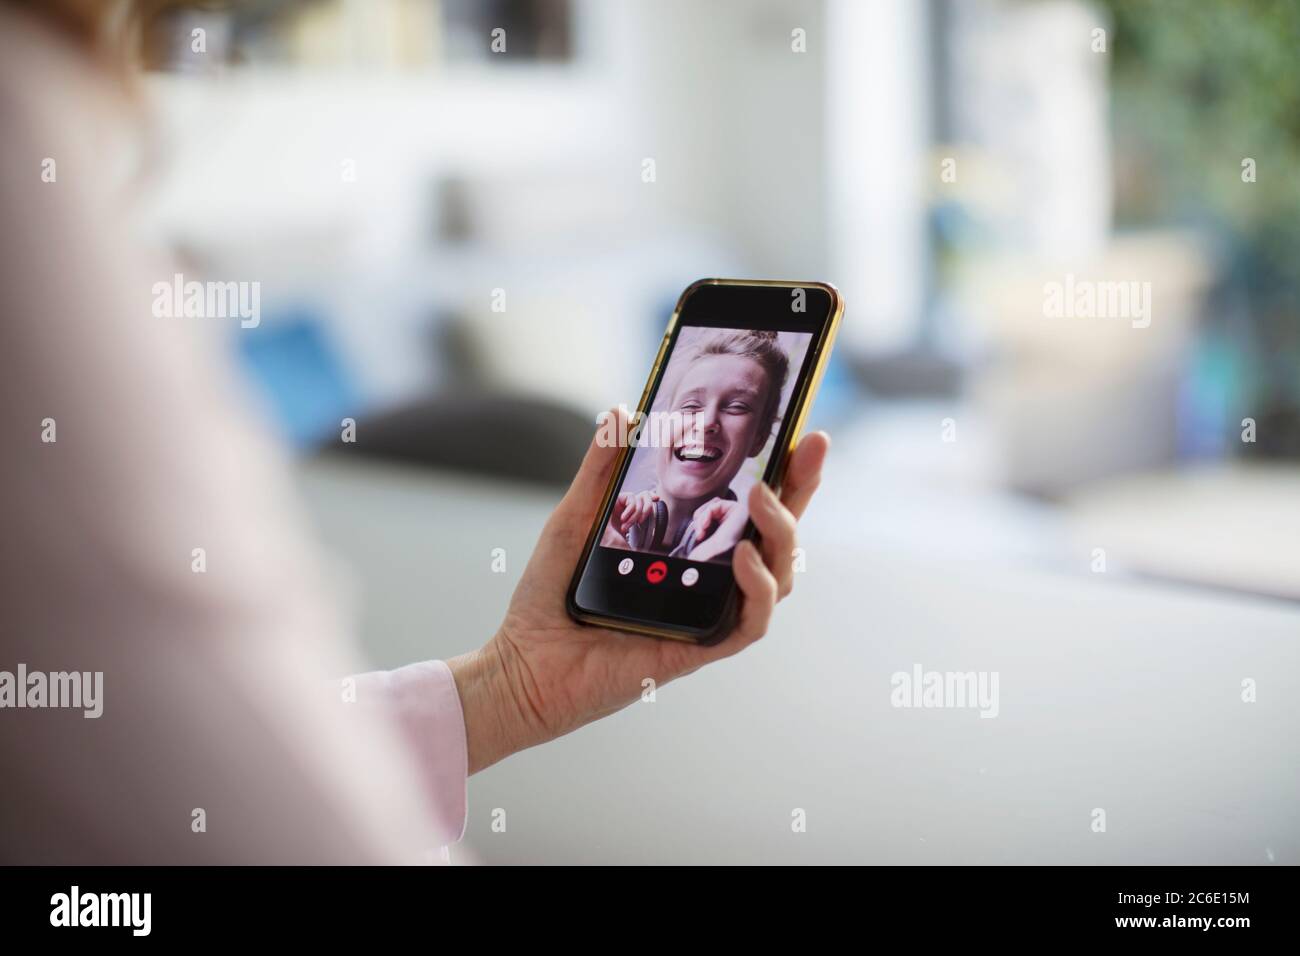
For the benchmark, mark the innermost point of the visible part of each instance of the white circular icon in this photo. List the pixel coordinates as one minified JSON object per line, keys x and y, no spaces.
{"x":690,"y":576}
{"x":625,"y":566}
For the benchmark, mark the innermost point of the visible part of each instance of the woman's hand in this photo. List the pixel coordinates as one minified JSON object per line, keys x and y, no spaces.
{"x":543,"y":675}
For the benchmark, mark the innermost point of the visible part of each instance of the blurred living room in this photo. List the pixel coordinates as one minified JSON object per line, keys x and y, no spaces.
{"x":469,"y":243}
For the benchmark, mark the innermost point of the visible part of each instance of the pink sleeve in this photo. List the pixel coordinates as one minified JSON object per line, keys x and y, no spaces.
{"x":423,"y":700}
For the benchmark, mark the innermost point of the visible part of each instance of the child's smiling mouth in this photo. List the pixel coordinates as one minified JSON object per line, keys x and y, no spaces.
{"x":697,"y":454}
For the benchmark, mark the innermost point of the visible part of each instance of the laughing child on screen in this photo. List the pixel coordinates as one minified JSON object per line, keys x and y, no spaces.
{"x":725,"y":401}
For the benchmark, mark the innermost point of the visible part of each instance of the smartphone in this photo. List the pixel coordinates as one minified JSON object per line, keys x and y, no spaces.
{"x":723,"y":408}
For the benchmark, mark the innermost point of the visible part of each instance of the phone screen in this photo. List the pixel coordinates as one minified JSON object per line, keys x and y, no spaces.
{"x":716,"y":421}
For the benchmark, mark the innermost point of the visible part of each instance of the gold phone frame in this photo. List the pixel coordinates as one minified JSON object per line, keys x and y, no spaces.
{"x":801,"y":402}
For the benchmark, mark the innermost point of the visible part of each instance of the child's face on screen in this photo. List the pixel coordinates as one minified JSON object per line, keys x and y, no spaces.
{"x":720,"y":399}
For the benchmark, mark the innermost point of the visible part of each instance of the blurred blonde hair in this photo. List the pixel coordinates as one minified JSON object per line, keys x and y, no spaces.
{"x":109,"y":30}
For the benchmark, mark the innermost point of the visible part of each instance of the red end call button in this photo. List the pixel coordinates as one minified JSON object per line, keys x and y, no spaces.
{"x":656,"y":572}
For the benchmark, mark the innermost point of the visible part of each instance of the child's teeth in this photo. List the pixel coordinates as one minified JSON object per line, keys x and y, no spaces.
{"x":696,"y":453}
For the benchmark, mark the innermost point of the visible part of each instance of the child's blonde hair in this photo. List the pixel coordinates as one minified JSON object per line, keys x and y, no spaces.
{"x":763,"y":348}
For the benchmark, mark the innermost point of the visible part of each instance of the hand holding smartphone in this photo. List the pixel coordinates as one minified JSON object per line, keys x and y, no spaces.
{"x":723,"y":408}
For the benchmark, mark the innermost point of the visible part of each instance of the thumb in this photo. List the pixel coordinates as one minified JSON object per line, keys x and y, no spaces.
{"x":588,"y":485}
{"x":566,"y":531}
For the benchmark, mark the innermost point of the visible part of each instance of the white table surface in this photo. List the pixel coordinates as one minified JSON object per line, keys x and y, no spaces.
{"x":1114,"y":694}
